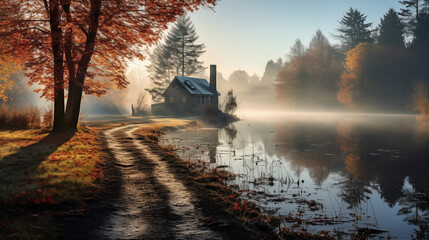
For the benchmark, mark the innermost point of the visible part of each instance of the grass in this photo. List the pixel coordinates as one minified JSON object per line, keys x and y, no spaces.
{"x":43,"y":175}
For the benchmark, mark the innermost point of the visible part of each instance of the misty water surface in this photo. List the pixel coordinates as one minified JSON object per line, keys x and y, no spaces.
{"x":334,"y":172}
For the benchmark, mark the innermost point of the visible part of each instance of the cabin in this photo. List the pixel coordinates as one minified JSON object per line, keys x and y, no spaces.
{"x":189,"y":96}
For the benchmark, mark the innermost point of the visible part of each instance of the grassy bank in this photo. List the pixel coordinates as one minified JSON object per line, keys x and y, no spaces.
{"x":45,"y":175}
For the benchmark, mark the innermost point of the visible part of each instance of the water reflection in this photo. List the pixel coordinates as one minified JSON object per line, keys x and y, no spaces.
{"x":368,"y":171}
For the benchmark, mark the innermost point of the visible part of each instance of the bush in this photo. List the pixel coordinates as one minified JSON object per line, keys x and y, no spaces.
{"x":230,"y":104}
{"x":13,"y":119}
{"x":48,"y":119}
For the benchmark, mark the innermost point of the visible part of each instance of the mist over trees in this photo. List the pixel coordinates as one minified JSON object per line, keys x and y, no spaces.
{"x":271,"y":70}
{"x":250,"y":90}
{"x":421,"y":99}
{"x":308,"y":79}
{"x":363,"y":74}
{"x":178,"y":55}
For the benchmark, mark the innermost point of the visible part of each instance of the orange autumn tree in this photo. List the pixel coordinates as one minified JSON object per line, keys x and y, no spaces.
{"x":73,"y":47}
{"x":349,"y":86}
{"x":8,"y":67}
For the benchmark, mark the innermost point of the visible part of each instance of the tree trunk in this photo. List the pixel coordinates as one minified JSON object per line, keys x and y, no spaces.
{"x":183,"y":56}
{"x":56,"y":37}
{"x":73,"y":105}
{"x":75,"y":89}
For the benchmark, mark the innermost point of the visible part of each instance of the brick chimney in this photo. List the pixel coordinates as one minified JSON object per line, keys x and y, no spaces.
{"x":212,"y":87}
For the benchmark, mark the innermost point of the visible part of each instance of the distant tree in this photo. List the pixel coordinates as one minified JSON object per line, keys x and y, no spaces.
{"x":421,"y":33}
{"x":324,"y":63}
{"x":349,"y":86}
{"x":421,"y":99}
{"x":178,"y":55}
{"x":373,"y":78}
{"x":411,"y":13}
{"x":230,"y":104}
{"x":239,"y":78}
{"x":308,"y":79}
{"x":297,"y":50}
{"x":391,"y":30}
{"x":271,"y":70}
{"x":254,"y":79}
{"x":292,"y":79}
{"x":354,"y":29}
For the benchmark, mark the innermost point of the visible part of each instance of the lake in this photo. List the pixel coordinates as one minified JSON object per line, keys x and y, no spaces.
{"x":341,"y":173}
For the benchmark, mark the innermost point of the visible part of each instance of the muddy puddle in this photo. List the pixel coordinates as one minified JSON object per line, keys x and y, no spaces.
{"x":343,"y":174}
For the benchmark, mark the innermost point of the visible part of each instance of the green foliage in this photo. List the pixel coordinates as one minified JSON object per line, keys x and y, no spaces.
{"x":421,"y":32}
{"x":391,"y":30}
{"x":354,"y":29}
{"x":411,"y":13}
{"x":178,"y":55}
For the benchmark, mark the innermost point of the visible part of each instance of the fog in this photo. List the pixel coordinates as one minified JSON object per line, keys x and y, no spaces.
{"x":119,"y":101}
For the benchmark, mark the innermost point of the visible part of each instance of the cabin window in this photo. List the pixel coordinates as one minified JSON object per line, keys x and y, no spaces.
{"x":171,"y":100}
{"x":183,"y":99}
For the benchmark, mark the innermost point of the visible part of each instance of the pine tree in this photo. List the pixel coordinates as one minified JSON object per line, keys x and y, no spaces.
{"x":391,"y":30}
{"x":354,"y":29}
{"x":179,"y":55}
{"x":421,"y":33}
{"x":411,"y":13}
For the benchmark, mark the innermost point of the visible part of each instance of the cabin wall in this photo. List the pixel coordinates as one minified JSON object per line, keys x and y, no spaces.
{"x":181,"y":102}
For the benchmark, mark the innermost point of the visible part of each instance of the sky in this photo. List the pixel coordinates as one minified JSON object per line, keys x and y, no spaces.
{"x":245,"y":34}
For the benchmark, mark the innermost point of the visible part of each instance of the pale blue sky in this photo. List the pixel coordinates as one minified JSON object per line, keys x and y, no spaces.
{"x":245,"y":34}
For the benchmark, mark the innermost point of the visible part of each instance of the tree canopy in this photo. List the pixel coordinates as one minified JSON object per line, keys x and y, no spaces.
{"x":82,"y":45}
{"x":354,"y":29}
{"x":391,"y":30}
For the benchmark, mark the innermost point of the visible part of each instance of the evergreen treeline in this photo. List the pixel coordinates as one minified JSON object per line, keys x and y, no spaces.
{"x":373,"y":69}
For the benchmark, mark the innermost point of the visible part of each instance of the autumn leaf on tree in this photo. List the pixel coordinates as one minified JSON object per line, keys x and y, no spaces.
{"x":75,"y":47}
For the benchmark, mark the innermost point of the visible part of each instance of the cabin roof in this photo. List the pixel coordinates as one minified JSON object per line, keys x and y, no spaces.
{"x":194,"y":86}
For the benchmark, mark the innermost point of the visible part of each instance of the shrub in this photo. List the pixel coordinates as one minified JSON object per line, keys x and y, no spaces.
{"x":13,"y":119}
{"x":230,"y":103}
{"x":48,"y":119}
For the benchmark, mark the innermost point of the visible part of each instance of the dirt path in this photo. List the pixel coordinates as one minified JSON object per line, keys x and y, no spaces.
{"x":153,"y":203}
{"x":146,"y":199}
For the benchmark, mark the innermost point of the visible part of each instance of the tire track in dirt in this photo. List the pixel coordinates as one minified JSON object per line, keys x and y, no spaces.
{"x":153,"y":203}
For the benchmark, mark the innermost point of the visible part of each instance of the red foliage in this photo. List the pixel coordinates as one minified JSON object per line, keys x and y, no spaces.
{"x":93,"y":37}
